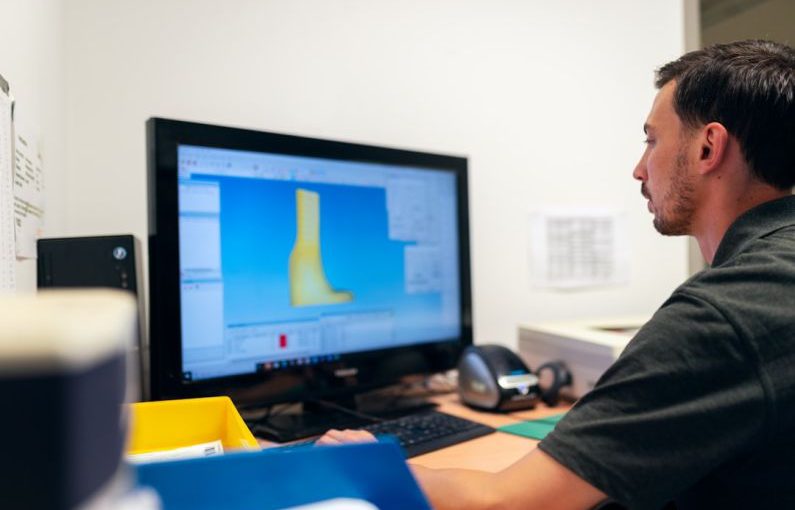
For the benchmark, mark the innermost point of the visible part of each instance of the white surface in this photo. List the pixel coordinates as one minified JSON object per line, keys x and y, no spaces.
{"x":209,"y":449}
{"x":7,"y":243}
{"x":572,"y":248}
{"x":32,"y":59}
{"x":64,"y":329}
{"x":28,"y":191}
{"x":337,"y":504}
{"x":546,"y":98}
{"x":587,"y":348}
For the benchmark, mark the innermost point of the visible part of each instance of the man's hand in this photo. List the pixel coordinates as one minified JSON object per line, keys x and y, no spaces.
{"x":345,"y":436}
{"x":535,"y":481}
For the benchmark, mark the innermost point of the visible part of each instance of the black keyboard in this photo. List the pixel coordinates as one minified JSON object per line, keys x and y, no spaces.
{"x":430,"y":430}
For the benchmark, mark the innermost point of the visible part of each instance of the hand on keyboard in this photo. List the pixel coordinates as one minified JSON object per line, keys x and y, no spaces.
{"x":416,"y":433}
{"x":345,"y":436}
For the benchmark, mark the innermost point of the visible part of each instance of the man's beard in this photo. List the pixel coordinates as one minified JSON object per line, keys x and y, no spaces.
{"x":675,"y":214}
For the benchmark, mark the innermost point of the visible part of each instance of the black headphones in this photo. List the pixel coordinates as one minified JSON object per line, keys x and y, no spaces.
{"x":561,"y":376}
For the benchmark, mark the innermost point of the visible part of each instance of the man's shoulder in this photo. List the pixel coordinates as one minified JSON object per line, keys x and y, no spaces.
{"x":764,"y":264}
{"x":753,"y":291}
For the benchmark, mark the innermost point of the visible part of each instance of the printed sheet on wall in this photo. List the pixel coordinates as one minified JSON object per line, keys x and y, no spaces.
{"x":7,"y":239}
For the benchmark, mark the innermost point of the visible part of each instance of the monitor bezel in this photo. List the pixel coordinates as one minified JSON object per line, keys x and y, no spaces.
{"x":352,"y":372}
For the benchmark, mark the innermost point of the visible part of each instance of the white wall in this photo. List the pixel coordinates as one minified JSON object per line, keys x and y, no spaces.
{"x":546,"y":98}
{"x":32,"y":60}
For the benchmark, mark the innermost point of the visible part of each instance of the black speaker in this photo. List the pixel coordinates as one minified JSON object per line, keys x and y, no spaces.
{"x":101,"y":261}
{"x":97,"y":261}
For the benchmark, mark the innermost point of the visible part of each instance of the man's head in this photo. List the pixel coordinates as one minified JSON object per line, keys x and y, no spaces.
{"x":743,"y":92}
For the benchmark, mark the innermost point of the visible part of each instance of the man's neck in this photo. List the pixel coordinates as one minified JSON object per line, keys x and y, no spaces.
{"x":724,"y":209}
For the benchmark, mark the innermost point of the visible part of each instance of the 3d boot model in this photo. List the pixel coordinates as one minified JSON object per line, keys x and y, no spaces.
{"x":308,"y":283}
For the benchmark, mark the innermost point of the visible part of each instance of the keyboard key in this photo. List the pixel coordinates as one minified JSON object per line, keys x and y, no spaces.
{"x":429,"y":431}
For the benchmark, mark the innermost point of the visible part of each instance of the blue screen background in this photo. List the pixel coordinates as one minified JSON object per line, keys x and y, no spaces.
{"x":258,"y":229}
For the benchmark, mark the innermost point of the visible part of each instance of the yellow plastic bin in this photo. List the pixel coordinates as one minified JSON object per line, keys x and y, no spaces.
{"x":170,"y":424}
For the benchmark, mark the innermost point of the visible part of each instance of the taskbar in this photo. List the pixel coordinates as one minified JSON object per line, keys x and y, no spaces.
{"x":270,"y":366}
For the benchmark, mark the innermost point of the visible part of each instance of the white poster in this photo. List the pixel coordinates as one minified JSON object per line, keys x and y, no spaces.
{"x":7,"y":254}
{"x":573,"y":248}
{"x":28,"y":193}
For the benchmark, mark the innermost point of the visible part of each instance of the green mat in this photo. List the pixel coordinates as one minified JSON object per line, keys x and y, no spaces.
{"x":534,"y":429}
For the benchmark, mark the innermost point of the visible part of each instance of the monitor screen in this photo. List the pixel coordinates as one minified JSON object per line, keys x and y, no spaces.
{"x":302,"y":265}
{"x":288,"y":260}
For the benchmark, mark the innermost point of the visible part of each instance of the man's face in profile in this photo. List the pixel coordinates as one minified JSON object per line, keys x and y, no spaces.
{"x":664,"y":169}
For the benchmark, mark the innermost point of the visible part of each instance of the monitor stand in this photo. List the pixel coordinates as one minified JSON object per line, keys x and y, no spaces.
{"x":316,"y":417}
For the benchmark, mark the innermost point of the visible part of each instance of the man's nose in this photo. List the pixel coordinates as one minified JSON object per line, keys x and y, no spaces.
{"x":639,"y":172}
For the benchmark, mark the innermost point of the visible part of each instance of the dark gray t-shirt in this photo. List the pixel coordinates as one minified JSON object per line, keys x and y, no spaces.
{"x":700,"y":407}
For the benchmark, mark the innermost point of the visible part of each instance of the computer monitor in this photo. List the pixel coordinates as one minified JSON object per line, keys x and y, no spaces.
{"x":285,"y":268}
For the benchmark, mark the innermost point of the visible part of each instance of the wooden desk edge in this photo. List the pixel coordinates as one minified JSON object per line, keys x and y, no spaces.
{"x":488,"y":453}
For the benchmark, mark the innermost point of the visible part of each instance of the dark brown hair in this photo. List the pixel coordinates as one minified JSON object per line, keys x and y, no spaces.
{"x":749,"y":87}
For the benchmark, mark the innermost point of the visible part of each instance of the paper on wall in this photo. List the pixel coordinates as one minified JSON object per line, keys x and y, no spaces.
{"x":573,"y":248}
{"x":7,"y":251}
{"x":28,"y":192}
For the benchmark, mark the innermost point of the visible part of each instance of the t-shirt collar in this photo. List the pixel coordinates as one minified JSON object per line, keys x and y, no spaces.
{"x":753,"y":224}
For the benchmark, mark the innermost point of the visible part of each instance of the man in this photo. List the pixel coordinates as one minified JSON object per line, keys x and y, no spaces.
{"x":700,"y":408}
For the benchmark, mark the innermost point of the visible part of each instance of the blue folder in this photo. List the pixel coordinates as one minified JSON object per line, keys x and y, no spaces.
{"x":375,"y":472}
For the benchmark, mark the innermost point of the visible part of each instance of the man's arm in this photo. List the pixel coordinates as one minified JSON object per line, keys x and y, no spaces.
{"x":535,"y":481}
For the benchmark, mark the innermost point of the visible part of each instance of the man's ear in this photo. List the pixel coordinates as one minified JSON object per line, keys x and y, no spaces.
{"x":713,"y":143}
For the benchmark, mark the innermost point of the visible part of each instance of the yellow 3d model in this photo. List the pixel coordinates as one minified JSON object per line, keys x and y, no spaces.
{"x":308,"y":283}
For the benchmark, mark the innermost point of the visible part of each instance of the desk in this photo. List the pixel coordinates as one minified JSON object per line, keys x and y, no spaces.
{"x":488,"y":453}
{"x":493,"y":452}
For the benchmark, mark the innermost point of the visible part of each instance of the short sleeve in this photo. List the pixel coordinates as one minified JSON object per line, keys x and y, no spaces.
{"x":682,"y":399}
